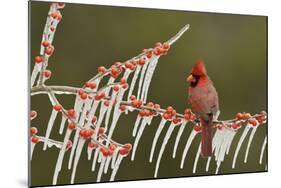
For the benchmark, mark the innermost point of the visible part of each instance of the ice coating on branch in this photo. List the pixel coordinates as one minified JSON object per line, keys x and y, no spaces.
{"x":63,"y":120}
{"x":148,"y":76}
{"x":254,"y":129}
{"x":92,"y":112}
{"x":133,"y":82}
{"x":139,"y":134}
{"x":196,"y":159}
{"x":263,"y":149}
{"x":165,"y":141}
{"x":35,"y":72}
{"x":77,"y":157}
{"x":182,"y":126}
{"x":137,"y":122}
{"x":156,"y":136}
{"x":116,"y":167}
{"x":61,"y":156}
{"x":187,"y":146}
{"x":242,"y":138}
{"x":49,"y":127}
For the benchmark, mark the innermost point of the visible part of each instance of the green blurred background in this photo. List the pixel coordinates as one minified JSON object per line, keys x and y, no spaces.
{"x":234,"y":48}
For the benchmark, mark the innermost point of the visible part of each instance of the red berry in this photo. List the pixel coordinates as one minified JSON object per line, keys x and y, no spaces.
{"x":125,"y":86}
{"x":82,"y":133}
{"x":49,"y":51}
{"x":169,"y":109}
{"x":47,"y":73}
{"x":101,"y":69}
{"x":71,"y":126}
{"x":239,"y":115}
{"x":139,"y":103}
{"x":57,"y":107}
{"x":123,"y":151}
{"x":252,"y":121}
{"x":84,"y":96}
{"x":156,"y":52}
{"x":166,"y":45}
{"x":106,"y":103}
{"x":197,"y":128}
{"x":38,"y":59}
{"x":112,"y":147}
{"x":166,"y":116}
{"x":116,"y":88}
{"x":104,"y":151}
{"x":33,"y":114}
{"x":142,"y":113}
{"x":94,"y":119}
{"x":127,"y":146}
{"x":123,"y":108}
{"x":71,"y":113}
{"x":91,"y":85}
{"x":123,"y":81}
{"x":99,"y":96}
{"x":149,"y":55}
{"x":187,"y":117}
{"x":81,"y":91}
{"x":92,"y":144}
{"x":247,"y":115}
{"x":101,"y":131}
{"x":45,"y":44}
{"x":35,"y":139}
{"x":89,"y":133}
{"x":132,"y":97}
{"x":134,"y":103}
{"x":141,"y":61}
{"x":115,"y":72}
{"x":33,"y":130}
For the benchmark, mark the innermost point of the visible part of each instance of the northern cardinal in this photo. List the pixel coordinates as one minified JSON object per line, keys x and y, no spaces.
{"x":204,"y":102}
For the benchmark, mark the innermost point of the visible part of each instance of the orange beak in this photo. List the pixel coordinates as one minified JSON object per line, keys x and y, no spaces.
{"x":190,"y":79}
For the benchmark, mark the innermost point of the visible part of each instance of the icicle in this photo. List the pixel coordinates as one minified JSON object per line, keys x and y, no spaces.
{"x":136,"y":125}
{"x":77,"y":157}
{"x":116,"y":116}
{"x":111,"y":102}
{"x":230,"y":141}
{"x":75,"y":141}
{"x":187,"y":145}
{"x":150,"y":70}
{"x":32,"y":146}
{"x":116,"y":167}
{"x":135,"y":77}
{"x":244,"y":134}
{"x":218,"y":167}
{"x":49,"y":127}
{"x":78,"y":106}
{"x":182,"y":126}
{"x":83,"y":116}
{"x":35,"y":72}
{"x":157,"y":134}
{"x":92,"y":112}
{"x":100,"y":157}
{"x":103,"y":109}
{"x":196,"y":159}
{"x":61,"y":156}
{"x":95,"y":160}
{"x":165,"y":141}
{"x":262,"y":149}
{"x":114,"y":157}
{"x":215,"y":137}
{"x":101,"y":168}
{"x":249,"y":143}
{"x":139,"y":134}
{"x":144,"y":67}
{"x":108,"y":159}
{"x":89,"y":152}
{"x":208,"y":164}
{"x":63,"y":120}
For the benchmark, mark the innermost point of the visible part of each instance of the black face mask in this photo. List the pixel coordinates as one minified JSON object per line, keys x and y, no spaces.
{"x":194,"y":84}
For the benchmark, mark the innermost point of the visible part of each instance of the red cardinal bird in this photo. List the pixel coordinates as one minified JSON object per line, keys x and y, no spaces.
{"x":204,"y":100}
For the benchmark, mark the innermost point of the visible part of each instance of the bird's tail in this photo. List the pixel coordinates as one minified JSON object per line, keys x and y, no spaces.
{"x":206,"y":139}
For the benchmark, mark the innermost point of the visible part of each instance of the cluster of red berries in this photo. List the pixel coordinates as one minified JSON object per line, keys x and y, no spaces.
{"x":86,"y":133}
{"x":171,"y":115}
{"x":135,"y":103}
{"x":116,"y":69}
{"x":91,"y":85}
{"x":123,"y":83}
{"x":159,"y":49}
{"x":188,"y":115}
{"x":108,"y":151}
{"x":99,"y":95}
{"x":254,"y":121}
{"x":82,"y":94}
{"x":147,"y":113}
